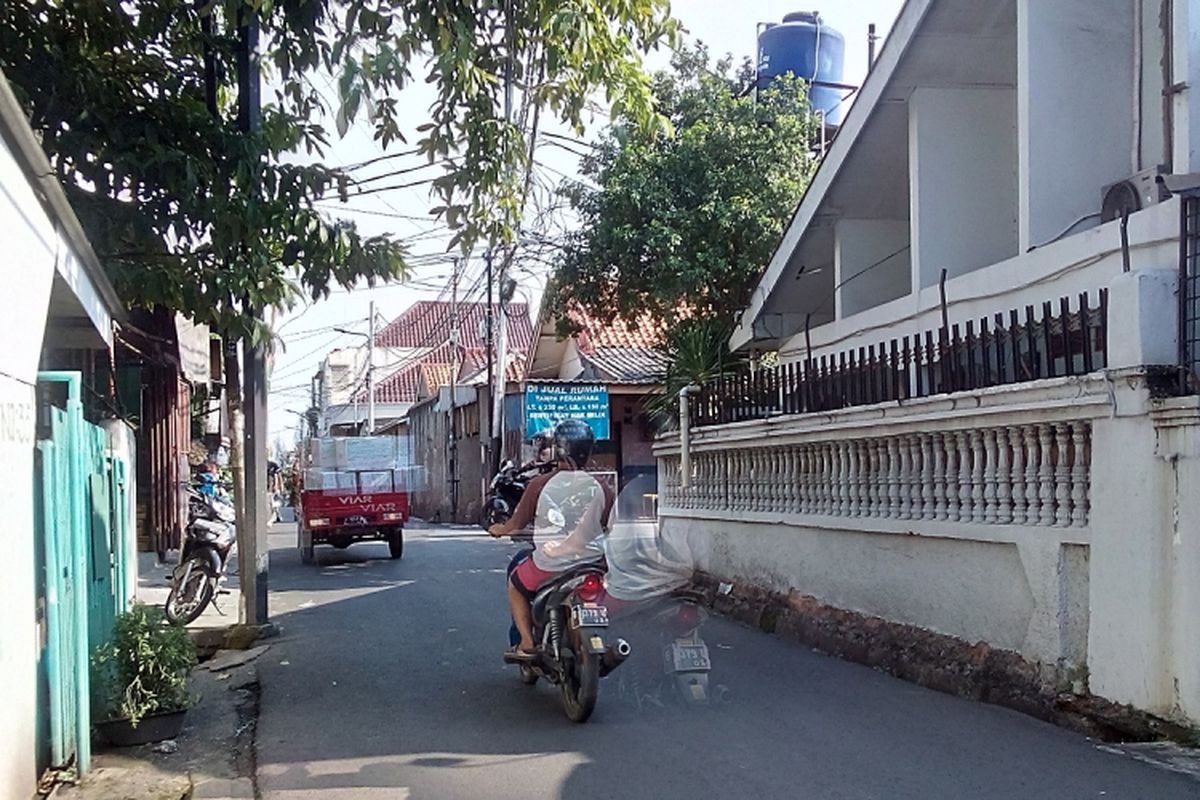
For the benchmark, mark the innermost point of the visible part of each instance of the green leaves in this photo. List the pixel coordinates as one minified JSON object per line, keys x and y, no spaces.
{"x":188,"y":213}
{"x":144,"y":669}
{"x":185,"y":211}
{"x":683,"y":218}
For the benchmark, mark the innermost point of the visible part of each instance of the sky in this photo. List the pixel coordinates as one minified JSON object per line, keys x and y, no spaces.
{"x":307,"y":331}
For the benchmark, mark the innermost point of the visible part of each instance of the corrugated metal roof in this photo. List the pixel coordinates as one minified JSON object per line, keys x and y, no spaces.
{"x":628,"y":364}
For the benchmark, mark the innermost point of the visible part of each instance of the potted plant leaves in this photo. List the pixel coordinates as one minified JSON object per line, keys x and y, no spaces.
{"x":142,"y":678}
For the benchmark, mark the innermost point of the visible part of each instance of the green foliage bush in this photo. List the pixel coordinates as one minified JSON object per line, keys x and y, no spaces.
{"x":144,"y":669}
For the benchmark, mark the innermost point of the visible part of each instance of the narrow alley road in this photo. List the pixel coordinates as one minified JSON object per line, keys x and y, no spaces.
{"x":387,"y":683}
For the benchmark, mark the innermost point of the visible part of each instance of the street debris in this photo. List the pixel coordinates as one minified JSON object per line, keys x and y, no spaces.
{"x":167,"y":748}
{"x":226,"y":660}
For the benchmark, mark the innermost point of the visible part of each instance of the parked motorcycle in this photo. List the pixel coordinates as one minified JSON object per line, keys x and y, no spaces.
{"x":570,"y":624}
{"x":505,"y":490}
{"x":208,"y":541}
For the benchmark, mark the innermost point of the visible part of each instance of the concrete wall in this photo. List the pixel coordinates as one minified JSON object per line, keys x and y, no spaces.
{"x":1075,"y":102}
{"x":1145,"y":636}
{"x":871,"y":265}
{"x":1119,"y":596}
{"x":31,"y":247}
{"x":962,"y":180}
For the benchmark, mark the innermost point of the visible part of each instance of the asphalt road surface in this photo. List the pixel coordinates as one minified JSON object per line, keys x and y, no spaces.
{"x":387,"y":682}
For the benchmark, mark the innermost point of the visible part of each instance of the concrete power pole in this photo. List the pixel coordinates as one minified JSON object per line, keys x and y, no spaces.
{"x":253,"y":549}
{"x":501,"y":374}
{"x":371,"y":372}
{"x":454,"y":339}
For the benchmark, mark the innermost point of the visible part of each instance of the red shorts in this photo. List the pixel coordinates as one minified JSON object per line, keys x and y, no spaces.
{"x":528,"y":577}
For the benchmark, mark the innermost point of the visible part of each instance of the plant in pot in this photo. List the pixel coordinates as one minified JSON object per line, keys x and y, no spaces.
{"x":142,"y":677}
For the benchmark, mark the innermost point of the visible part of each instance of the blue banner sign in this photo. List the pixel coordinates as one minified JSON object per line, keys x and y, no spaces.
{"x":547,"y":404}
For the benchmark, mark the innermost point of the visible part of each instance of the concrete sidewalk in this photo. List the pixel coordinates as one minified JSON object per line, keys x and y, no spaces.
{"x":212,"y":759}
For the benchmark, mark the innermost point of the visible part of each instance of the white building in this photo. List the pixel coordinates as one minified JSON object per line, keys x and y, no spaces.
{"x":1032,"y":486}
{"x":56,"y":295}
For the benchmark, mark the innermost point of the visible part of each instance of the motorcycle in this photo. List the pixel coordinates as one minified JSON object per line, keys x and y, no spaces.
{"x":208,"y":542}
{"x":669,"y":626}
{"x":505,"y":490}
{"x":570,"y":623}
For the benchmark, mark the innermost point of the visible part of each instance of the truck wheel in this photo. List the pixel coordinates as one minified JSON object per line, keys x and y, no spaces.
{"x":307,"y":554}
{"x":395,"y":542}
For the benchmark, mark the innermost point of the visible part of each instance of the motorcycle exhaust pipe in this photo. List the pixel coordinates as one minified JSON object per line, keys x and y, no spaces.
{"x":614,"y":656}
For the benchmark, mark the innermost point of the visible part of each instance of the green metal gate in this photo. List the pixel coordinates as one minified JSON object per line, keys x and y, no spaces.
{"x":82,"y":529}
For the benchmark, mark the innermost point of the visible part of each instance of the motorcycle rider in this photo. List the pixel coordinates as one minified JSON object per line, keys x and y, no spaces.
{"x":569,"y":510}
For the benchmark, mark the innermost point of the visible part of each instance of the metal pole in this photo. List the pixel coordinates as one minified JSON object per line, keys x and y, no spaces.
{"x":371,"y":372}
{"x":501,"y":377}
{"x":486,"y":442}
{"x":871,"y":39}
{"x":454,"y":336}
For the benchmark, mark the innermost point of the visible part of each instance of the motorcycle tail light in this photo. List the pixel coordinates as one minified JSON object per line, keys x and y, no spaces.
{"x":589,"y":591}
{"x":687,"y":619}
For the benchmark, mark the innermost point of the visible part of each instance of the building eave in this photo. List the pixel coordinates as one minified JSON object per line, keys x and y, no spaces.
{"x":20,"y":138}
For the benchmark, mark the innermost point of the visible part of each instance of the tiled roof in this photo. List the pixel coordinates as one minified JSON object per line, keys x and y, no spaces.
{"x":427,"y":324}
{"x":644,"y":334}
{"x":425,"y":375}
{"x":406,"y":385}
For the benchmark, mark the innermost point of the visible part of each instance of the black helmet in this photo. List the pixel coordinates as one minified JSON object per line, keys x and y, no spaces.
{"x":574,"y":440}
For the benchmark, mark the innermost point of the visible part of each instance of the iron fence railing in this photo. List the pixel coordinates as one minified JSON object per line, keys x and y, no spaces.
{"x":1189,"y":296}
{"x":1053,"y":341}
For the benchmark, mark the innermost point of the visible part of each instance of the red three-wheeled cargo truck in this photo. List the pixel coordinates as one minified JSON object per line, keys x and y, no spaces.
{"x":353,"y":489}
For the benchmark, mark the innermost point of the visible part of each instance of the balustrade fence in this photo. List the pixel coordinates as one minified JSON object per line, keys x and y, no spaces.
{"x":1053,"y":343}
{"x":1026,"y":474}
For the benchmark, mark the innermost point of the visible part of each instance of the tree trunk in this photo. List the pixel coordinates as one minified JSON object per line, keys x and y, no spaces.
{"x":237,"y":457}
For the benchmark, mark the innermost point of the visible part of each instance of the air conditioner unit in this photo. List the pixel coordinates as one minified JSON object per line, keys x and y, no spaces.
{"x":1136,"y":192}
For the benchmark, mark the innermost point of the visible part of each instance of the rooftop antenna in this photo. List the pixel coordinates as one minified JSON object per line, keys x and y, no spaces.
{"x":872,"y":38}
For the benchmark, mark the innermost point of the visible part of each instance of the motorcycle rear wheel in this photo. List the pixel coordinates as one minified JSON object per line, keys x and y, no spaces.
{"x":187,"y":602}
{"x":581,"y":685}
{"x":489,"y":515}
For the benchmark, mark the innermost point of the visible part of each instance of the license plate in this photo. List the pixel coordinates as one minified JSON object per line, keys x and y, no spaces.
{"x":356,"y":520}
{"x":690,"y":657}
{"x":591,"y":617}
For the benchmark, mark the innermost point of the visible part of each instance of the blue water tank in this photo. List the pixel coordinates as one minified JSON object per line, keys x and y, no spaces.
{"x":806,"y":47}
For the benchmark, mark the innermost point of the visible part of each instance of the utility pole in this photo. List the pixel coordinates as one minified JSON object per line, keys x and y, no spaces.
{"x":486,"y":443}
{"x":253,"y":550}
{"x":371,"y":372}
{"x":501,"y":334}
{"x":501,"y":377}
{"x":454,"y":339}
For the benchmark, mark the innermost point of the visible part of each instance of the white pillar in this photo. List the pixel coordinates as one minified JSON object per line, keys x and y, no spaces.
{"x":1075,"y":101}
{"x":962,"y":180}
